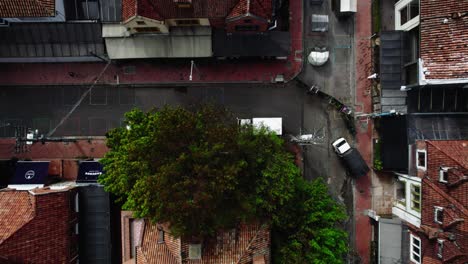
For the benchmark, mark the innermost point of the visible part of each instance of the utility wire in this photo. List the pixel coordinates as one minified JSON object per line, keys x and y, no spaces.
{"x":83,"y":96}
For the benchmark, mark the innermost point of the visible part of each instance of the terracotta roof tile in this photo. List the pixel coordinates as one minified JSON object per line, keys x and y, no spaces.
{"x":168,"y":9}
{"x":240,"y":246}
{"x":152,"y":251}
{"x":454,"y":149}
{"x":260,"y":8}
{"x":443,"y":44}
{"x":16,"y":210}
{"x":27,"y":8}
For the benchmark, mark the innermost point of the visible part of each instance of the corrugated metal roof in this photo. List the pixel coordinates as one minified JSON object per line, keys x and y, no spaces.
{"x":273,"y":43}
{"x":51,"y":40}
{"x":95,"y":231}
{"x":111,"y":10}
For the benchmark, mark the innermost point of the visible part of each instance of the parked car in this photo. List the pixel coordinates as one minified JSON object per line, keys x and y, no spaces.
{"x":351,"y":157}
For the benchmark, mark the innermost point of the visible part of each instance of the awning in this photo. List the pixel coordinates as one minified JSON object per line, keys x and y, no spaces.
{"x":182,"y":42}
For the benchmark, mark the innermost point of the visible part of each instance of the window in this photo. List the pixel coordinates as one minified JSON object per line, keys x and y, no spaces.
{"x":188,"y":22}
{"x":406,"y":14}
{"x":141,"y":23}
{"x":147,"y":30}
{"x":81,"y":9}
{"x":247,"y":28}
{"x":415,"y":249}
{"x":421,"y":159}
{"x":401,"y":192}
{"x":438,"y":214}
{"x":440,"y":248}
{"x":160,"y":235}
{"x":194,"y":251}
{"x":131,"y":227}
{"x":416,"y":197}
{"x":443,"y":174}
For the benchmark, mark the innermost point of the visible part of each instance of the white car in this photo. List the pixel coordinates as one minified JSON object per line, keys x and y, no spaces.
{"x":351,"y":157}
{"x":341,"y":146}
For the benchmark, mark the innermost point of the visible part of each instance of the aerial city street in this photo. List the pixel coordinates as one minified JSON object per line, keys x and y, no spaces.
{"x":233,"y":131}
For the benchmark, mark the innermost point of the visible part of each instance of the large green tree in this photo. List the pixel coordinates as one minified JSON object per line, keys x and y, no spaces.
{"x":196,"y":169}
{"x":200,"y":171}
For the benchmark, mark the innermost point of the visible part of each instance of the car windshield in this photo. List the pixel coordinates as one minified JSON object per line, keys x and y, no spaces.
{"x":341,"y":144}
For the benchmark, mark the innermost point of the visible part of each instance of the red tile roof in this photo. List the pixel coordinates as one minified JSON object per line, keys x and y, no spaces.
{"x":153,"y":252}
{"x":457,"y":150}
{"x":16,"y":210}
{"x":239,"y":246}
{"x":443,"y":44}
{"x":144,"y":8}
{"x":211,"y":9}
{"x":27,"y":8}
{"x":260,"y":8}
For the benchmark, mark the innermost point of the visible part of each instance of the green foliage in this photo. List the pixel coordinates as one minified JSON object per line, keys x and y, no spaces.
{"x":196,"y":169}
{"x":305,"y":230}
{"x":378,"y":165}
{"x":199,"y":171}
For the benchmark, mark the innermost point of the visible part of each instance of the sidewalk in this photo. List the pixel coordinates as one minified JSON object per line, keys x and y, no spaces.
{"x":164,"y":70}
{"x":362,"y":193}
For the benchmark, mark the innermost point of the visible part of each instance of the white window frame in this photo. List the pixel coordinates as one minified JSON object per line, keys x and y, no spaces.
{"x":438,"y":209}
{"x":411,"y":195}
{"x":405,"y":212}
{"x":440,"y":248}
{"x":412,"y":252}
{"x":425,"y":159}
{"x":410,"y":24}
{"x":195,"y":251}
{"x":443,"y":170}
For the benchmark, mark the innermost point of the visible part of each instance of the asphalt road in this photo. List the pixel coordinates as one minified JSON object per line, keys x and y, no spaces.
{"x":104,"y":108}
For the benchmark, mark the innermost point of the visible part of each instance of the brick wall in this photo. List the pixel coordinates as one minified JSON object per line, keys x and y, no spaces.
{"x":452,"y":199}
{"x":437,"y":159}
{"x":444,"y":45}
{"x":49,"y":236}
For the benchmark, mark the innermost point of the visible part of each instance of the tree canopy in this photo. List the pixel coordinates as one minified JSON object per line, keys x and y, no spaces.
{"x":198,"y":170}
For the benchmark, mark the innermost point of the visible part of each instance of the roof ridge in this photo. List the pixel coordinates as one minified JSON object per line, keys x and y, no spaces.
{"x":40,"y":3}
{"x":460,"y":206}
{"x":447,"y":154}
{"x":250,"y":242}
{"x":31,"y":216}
